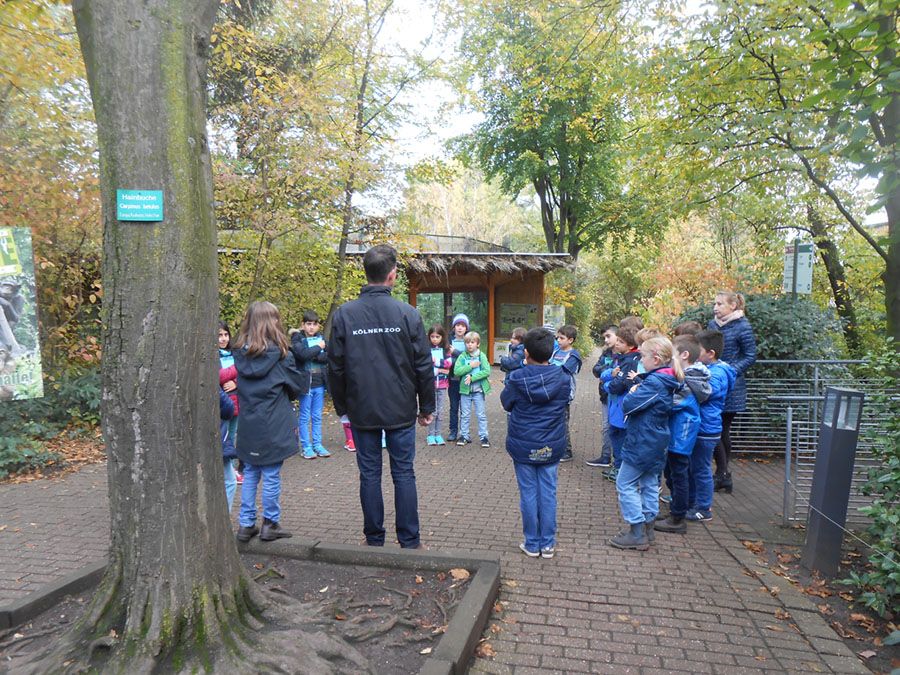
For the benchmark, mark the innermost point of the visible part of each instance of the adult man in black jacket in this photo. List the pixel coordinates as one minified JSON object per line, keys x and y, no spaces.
{"x":381,"y":376}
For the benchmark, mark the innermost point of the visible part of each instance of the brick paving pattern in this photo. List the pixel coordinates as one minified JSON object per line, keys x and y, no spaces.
{"x":691,"y":603}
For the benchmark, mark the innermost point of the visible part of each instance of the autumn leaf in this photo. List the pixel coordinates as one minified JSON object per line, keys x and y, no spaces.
{"x":782,"y":614}
{"x":756,"y":547}
{"x":868,"y":654}
{"x":485,"y":651}
{"x":419,"y":579}
{"x":459,"y":574}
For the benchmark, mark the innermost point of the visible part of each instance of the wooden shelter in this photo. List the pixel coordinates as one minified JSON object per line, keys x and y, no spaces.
{"x":497,"y":288}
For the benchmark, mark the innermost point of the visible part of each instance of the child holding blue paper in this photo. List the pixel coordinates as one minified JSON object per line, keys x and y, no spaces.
{"x":308,"y":347}
{"x":441,"y":357}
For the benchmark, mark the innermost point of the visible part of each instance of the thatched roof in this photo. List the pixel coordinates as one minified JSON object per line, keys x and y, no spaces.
{"x":441,"y":264}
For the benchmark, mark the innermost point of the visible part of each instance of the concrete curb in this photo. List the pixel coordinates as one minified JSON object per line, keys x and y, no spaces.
{"x":814,"y":628}
{"x":31,"y":605}
{"x":449,"y":657}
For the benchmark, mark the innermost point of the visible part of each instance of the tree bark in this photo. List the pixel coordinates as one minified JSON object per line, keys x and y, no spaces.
{"x":175,"y":596}
{"x":843,"y":301}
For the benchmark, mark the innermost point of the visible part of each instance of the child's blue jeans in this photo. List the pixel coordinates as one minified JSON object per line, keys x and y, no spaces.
{"x":679,"y":470}
{"x":466,"y":401}
{"x":311,"y":415}
{"x":617,"y":440}
{"x":537,"y":501}
{"x":434,"y":429}
{"x":638,"y":494}
{"x":270,"y":475}
{"x":700,"y":495}
{"x":230,"y":481}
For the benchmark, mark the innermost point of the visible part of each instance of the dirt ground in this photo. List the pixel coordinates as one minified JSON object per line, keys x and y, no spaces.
{"x":394,"y":617}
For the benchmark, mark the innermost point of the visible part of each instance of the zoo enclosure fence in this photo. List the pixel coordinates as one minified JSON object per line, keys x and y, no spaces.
{"x":784,"y":410}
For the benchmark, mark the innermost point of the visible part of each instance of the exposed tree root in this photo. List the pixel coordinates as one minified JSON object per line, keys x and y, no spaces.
{"x":242,"y":630}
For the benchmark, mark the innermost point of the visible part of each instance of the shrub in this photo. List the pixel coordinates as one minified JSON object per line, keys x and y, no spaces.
{"x":880,"y":584}
{"x":73,"y":400}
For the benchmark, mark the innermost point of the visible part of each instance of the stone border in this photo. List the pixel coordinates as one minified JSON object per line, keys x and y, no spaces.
{"x":812,"y":626}
{"x":450,"y":656}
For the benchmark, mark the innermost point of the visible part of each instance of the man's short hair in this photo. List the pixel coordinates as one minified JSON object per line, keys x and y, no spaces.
{"x":568,"y":331}
{"x":712,"y":341}
{"x":687,"y":343}
{"x":378,"y":263}
{"x":539,"y":344}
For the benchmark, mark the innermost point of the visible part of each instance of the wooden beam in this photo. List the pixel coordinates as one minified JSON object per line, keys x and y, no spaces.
{"x":491,"y":313}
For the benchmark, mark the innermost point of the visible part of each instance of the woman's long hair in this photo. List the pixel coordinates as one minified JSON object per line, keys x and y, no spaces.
{"x":261,"y":327}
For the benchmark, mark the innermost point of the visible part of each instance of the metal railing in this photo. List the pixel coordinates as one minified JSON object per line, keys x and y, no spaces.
{"x":784,"y":409}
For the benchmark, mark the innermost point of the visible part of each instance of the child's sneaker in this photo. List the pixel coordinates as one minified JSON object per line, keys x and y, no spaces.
{"x":610,"y":474}
{"x":239,"y":478}
{"x":350,"y":446}
{"x":599,"y":461}
{"x":322,"y":452}
{"x":665,"y":499}
{"x":698,"y":515}
{"x":485,"y":443}
{"x":430,"y":440}
{"x":548,"y":552}
{"x":451,"y":437}
{"x":567,"y":457}
{"x":439,"y":440}
{"x":309,"y":453}
{"x":530,"y":554}
{"x":463,"y":441}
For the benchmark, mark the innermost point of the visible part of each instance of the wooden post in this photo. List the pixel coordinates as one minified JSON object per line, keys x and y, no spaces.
{"x":491,"y":313}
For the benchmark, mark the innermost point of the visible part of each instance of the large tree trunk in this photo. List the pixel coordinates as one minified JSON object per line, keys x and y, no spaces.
{"x":843,"y":301}
{"x":175,"y":596}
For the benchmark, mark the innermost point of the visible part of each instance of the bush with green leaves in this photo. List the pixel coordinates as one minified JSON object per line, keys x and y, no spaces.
{"x":784,"y":328}
{"x":72,"y":401}
{"x":880,"y":583}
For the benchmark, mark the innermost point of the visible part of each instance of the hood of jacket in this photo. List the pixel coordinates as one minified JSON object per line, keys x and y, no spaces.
{"x":259,"y":365}
{"x":667,"y":377}
{"x":539,"y":385}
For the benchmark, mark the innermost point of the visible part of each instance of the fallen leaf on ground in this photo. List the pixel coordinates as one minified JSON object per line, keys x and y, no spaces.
{"x":322,"y":590}
{"x":511,"y":583}
{"x":485,"y":651}
{"x":825,"y":609}
{"x":847,"y":596}
{"x":760,"y":658}
{"x":498,"y":607}
{"x":777,"y":629}
{"x":782,"y":614}
{"x":868,"y":654}
{"x":441,"y":576}
{"x":459,"y":573}
{"x":427,"y":650}
{"x":754,"y":546}
{"x":419,"y":579}
{"x":495,"y":628}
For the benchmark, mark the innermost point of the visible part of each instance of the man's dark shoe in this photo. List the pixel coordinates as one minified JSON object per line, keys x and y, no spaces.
{"x":245,"y":534}
{"x":674,"y":524}
{"x":272,"y":531}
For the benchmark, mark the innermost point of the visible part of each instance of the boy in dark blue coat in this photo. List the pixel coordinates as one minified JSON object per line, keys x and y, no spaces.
{"x":648,"y":406}
{"x":536,"y":397}
{"x":569,"y":359}
{"x":616,"y":380}
{"x":308,"y":347}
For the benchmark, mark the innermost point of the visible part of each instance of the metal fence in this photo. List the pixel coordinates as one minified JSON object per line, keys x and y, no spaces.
{"x":784,"y":409}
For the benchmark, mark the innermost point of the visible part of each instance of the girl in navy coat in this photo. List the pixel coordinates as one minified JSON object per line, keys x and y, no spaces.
{"x":647,"y":406}
{"x":268,"y":379}
{"x":740,"y":354}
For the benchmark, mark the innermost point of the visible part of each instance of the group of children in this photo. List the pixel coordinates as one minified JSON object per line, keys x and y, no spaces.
{"x":661,"y":404}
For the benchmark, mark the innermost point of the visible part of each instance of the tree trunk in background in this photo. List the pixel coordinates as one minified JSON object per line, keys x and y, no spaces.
{"x":843,"y":301}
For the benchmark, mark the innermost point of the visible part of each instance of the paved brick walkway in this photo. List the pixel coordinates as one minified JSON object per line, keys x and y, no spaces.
{"x":692,"y":603}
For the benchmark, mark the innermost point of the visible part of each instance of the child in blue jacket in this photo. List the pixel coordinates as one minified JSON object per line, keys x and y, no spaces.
{"x":684,"y":425}
{"x":569,"y":359}
{"x":648,"y":406}
{"x":617,"y":380}
{"x":722,"y":378}
{"x":535,"y":398}
{"x":516,"y":357}
{"x":308,"y":347}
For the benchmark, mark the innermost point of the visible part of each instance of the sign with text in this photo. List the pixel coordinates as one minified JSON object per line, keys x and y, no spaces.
{"x":513,"y":315}
{"x":139,"y":205}
{"x":554,"y":315}
{"x":20,"y":351}
{"x":805,"y":257}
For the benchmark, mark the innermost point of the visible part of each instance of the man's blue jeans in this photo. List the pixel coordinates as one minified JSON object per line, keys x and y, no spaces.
{"x":638,"y":494}
{"x":700,"y":496}
{"x":270,"y":475}
{"x":466,"y":401}
{"x":537,"y":501}
{"x":401,"y":447}
{"x":311,"y":412}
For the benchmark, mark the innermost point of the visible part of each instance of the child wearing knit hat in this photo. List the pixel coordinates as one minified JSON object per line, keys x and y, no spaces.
{"x":458,"y":329}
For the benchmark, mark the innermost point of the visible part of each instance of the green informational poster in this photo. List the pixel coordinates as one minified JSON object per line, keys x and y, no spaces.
{"x":20,"y":353}
{"x":513,"y":315}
